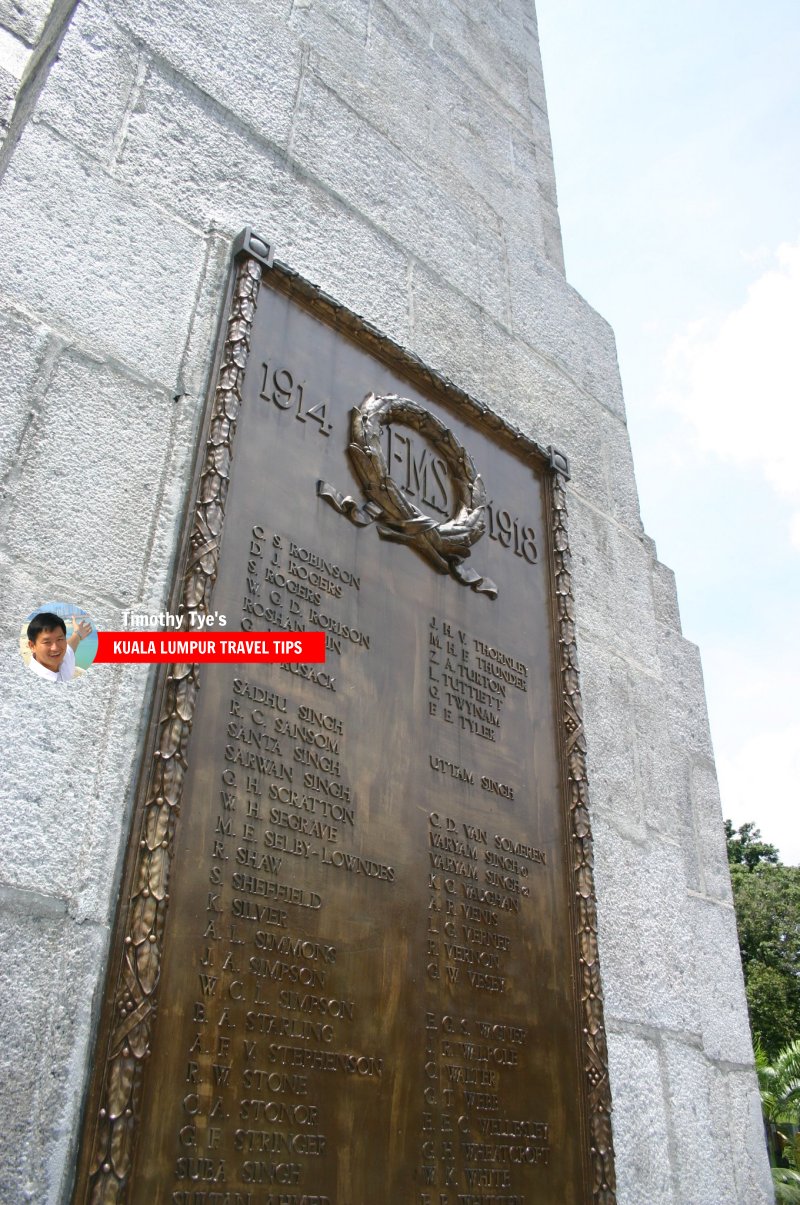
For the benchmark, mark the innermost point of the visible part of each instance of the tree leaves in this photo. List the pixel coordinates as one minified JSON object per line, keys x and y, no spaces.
{"x":746,"y":847}
{"x":779,"y":1083}
{"x":766,"y":897}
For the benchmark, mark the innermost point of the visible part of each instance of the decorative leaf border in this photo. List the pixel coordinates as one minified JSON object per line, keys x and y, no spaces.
{"x":113,"y":1128}
{"x":595,"y":1049}
{"x":110,"y":1131}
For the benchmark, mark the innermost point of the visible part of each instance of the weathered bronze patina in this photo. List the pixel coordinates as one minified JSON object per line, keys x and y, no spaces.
{"x":356,"y":954}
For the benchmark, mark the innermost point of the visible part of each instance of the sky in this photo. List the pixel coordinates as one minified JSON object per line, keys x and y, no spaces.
{"x":676,"y":138}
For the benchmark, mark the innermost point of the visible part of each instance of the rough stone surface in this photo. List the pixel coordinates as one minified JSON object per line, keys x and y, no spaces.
{"x":519,"y":382}
{"x":50,"y":825}
{"x":109,"y":524}
{"x":665,"y":597}
{"x":48,"y":975}
{"x":641,"y":1128}
{"x":398,"y":154}
{"x":460,"y":243}
{"x":704,"y":1176}
{"x":725,"y":1026}
{"x":440,"y":133}
{"x":96,"y":72}
{"x":224,"y":59}
{"x":649,"y":968}
{"x":613,"y":586}
{"x":619,"y":469}
{"x":25,"y":18}
{"x":89,"y":252}
{"x":637,"y":777}
{"x":8,"y":90}
{"x":552,"y":316}
{"x":183,"y":152}
{"x":685,"y":694}
{"x":708,"y":832}
{"x":737,"y":1119}
{"x":608,"y":705}
{"x":24,"y":347}
{"x":14,"y":56}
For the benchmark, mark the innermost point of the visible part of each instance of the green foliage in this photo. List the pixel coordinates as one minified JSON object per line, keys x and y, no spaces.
{"x":786,"y":1182}
{"x":767,"y":902}
{"x":745,"y":846}
{"x":766,"y":897}
{"x":779,"y":1082}
{"x":772,"y":1014}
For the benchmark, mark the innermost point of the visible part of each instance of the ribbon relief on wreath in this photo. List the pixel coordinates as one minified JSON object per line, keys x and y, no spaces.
{"x":445,"y":545}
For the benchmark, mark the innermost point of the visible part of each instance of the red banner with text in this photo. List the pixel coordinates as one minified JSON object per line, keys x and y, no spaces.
{"x":191,"y":647}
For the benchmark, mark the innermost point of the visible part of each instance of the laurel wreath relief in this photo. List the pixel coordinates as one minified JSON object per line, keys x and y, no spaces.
{"x":445,"y":545}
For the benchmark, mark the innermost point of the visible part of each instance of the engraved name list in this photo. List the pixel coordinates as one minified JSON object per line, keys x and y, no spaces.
{"x":363,"y":952}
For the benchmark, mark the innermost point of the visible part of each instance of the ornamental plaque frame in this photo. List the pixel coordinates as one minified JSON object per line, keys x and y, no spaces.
{"x":113,"y":1115}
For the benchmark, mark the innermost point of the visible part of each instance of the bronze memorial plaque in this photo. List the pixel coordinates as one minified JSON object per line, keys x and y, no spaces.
{"x":356,"y":952}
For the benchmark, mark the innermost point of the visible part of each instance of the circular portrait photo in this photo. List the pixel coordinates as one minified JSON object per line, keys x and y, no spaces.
{"x":58,"y":642}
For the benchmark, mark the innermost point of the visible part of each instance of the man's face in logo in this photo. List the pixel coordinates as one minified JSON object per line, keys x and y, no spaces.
{"x":49,"y":648}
